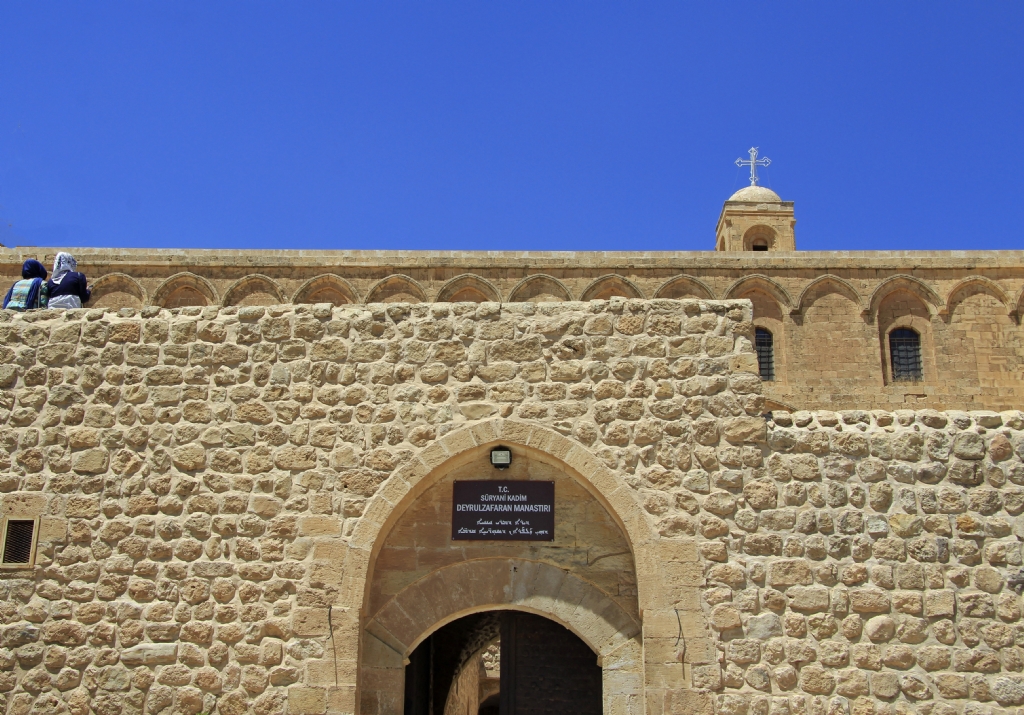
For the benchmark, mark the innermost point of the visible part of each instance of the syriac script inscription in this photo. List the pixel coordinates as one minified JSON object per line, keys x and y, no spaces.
{"x":503,"y":510}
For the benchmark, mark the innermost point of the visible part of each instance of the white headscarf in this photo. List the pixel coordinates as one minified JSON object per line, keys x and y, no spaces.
{"x":63,"y":264}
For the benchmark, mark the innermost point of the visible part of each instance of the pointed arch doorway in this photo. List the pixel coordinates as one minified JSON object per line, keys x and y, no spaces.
{"x":503,"y":663}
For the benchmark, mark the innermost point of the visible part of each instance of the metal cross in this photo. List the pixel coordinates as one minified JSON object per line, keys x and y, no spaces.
{"x":753,"y":162}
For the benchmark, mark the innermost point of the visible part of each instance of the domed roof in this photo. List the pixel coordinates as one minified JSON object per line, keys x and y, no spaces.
{"x":755,"y":193}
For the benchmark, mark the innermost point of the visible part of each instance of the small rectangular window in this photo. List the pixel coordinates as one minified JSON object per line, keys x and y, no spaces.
{"x":19,"y":542}
{"x":764,"y":344}
{"x":905,"y":352}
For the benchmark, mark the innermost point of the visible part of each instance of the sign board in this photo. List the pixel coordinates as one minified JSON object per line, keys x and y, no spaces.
{"x":503,"y":511}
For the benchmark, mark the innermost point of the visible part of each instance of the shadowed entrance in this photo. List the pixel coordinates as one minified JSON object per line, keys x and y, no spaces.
{"x":543,"y":668}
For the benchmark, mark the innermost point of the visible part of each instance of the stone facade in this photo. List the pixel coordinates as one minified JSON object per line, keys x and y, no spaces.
{"x":242,"y":509}
{"x":829,"y":312}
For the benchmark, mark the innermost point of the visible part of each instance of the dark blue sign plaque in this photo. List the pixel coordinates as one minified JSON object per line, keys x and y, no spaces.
{"x":507,"y":510}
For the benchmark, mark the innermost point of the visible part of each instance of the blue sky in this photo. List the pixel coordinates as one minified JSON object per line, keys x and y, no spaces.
{"x":507,"y":126}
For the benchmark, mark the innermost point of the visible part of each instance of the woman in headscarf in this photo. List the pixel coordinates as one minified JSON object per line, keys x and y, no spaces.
{"x":31,"y":291}
{"x":68,"y":288}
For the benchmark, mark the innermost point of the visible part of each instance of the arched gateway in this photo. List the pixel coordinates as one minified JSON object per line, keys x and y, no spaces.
{"x":606,"y":575}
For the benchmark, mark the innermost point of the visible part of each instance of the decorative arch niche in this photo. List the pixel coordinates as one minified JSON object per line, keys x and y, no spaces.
{"x":396,"y":289}
{"x":326,"y":288}
{"x":972,"y":285}
{"x":611,"y":286}
{"x":902,"y":308}
{"x":761,"y":283}
{"x":760,"y":238}
{"x":824,"y":284}
{"x":117,"y":290}
{"x":539,"y":288}
{"x":910,"y":284}
{"x":468,"y":288}
{"x":685,"y":287}
{"x":256,"y":289}
{"x":769,"y":315}
{"x":184,"y":290}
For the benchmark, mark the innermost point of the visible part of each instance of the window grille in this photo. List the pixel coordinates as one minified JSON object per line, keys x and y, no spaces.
{"x":18,"y":535}
{"x":764,"y":344}
{"x":905,"y":350}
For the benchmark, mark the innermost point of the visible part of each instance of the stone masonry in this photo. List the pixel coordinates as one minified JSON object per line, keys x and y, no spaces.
{"x":237,"y":512}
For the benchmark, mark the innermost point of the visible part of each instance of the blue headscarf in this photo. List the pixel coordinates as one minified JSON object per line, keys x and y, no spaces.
{"x":33,"y":269}
{"x":33,"y":273}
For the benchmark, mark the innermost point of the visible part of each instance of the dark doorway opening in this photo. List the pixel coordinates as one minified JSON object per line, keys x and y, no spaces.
{"x":503,"y":663}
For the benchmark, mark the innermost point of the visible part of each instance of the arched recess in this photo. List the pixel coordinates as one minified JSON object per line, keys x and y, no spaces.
{"x":539,"y":288}
{"x":1018,"y":303}
{"x":908,"y":283}
{"x":685,"y":287}
{"x":468,"y":288}
{"x":760,"y":235}
{"x":397,"y":288}
{"x":763,"y":283}
{"x":584,"y":607}
{"x":769,"y":314}
{"x":832,"y":346}
{"x":982,"y":345}
{"x":487,"y":584}
{"x":326,"y":288}
{"x":976,"y":284}
{"x":117,"y":290}
{"x":903,"y":309}
{"x":823,"y":282}
{"x":185,"y":289}
{"x":611,"y":286}
{"x":256,"y":289}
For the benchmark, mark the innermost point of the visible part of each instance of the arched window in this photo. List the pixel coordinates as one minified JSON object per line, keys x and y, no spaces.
{"x":764,"y":344}
{"x":905,"y":351}
{"x":760,"y":244}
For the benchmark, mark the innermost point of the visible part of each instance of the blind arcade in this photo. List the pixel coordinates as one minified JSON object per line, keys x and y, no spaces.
{"x":503,"y":510}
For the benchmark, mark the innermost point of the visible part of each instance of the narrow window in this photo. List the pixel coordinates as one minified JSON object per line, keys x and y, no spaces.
{"x":905,"y":350}
{"x":765,"y":346}
{"x":18,"y":538}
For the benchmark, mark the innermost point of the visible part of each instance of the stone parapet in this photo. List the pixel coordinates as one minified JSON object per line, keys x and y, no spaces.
{"x":966,"y":306}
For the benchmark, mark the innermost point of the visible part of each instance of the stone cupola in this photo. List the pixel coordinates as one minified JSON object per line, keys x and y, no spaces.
{"x":756,"y":219}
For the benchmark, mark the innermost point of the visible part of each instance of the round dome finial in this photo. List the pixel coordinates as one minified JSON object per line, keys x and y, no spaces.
{"x":759,"y":194}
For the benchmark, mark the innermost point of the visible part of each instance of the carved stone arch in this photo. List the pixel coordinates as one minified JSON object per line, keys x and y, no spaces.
{"x":762,"y":234}
{"x":516,"y":584}
{"x":185,"y":289}
{"x":459,"y":447}
{"x":117,"y":290}
{"x":326,"y":288}
{"x":840,"y":285}
{"x":682,"y":286}
{"x":979,"y":284}
{"x":922,"y":290}
{"x":539,"y":288}
{"x":762,"y":283}
{"x":378,"y":634}
{"x":468,"y":288}
{"x":396,"y":288}
{"x":1018,"y":303}
{"x":255,"y":289}
{"x":611,"y":286}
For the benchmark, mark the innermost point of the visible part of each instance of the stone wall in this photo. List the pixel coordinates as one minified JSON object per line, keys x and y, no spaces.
{"x":830,"y":312}
{"x":216,"y":488}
